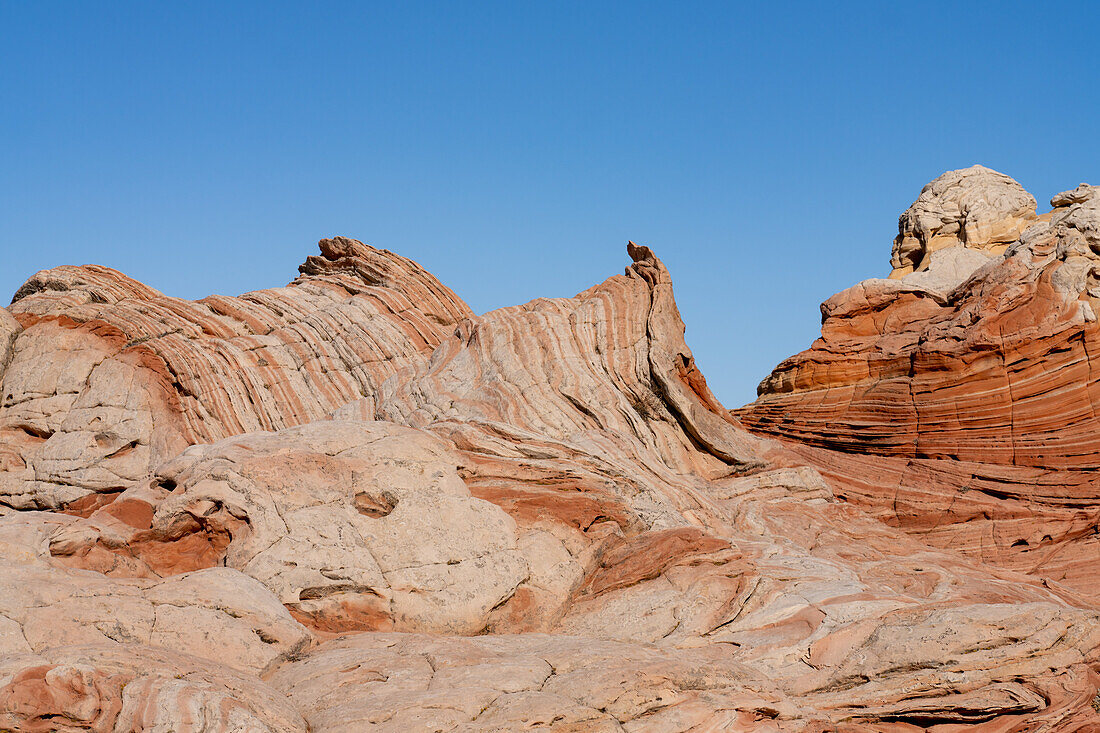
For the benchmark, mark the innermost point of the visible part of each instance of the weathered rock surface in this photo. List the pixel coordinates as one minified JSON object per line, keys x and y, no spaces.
{"x":128,"y":687}
{"x":353,"y":504}
{"x":975,"y":208}
{"x":216,"y":613}
{"x":354,"y":526}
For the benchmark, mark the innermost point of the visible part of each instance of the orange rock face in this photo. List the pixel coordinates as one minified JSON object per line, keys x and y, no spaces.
{"x":351,"y":504}
{"x":961,"y":405}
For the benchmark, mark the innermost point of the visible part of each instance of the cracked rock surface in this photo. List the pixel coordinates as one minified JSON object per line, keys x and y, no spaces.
{"x":352,"y":504}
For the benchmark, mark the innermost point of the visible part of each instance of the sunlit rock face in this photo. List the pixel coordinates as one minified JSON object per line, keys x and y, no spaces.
{"x":963,"y":409}
{"x":975,"y":208}
{"x":353,"y":504}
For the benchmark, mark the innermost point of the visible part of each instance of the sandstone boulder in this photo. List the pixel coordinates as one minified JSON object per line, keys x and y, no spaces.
{"x":353,"y":525}
{"x":975,"y":207}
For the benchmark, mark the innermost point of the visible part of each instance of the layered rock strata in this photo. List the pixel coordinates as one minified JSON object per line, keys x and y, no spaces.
{"x":959,"y":402}
{"x":352,"y":504}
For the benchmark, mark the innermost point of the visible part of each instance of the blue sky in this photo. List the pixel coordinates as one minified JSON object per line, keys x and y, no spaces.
{"x":763,"y":150}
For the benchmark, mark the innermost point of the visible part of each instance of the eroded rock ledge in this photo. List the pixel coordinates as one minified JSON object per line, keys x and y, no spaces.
{"x":353,"y":504}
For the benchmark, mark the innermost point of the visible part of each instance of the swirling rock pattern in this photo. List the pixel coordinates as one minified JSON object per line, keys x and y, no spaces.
{"x":353,"y":504}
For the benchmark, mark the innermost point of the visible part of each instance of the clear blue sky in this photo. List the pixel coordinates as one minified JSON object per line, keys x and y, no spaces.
{"x":763,"y":150}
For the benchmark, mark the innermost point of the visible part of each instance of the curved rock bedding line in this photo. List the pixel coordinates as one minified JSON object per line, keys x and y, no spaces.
{"x":353,"y":504}
{"x":995,"y":368}
{"x":110,"y":377}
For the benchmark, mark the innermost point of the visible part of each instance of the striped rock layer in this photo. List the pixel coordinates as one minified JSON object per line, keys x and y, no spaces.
{"x":352,"y":504}
{"x":960,"y":402}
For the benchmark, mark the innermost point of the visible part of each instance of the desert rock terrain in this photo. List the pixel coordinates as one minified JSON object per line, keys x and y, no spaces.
{"x":353,"y":504}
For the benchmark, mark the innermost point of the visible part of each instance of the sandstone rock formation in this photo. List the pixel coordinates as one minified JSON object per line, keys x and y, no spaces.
{"x":965,"y":414}
{"x":353,"y":504}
